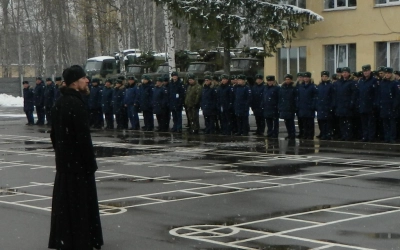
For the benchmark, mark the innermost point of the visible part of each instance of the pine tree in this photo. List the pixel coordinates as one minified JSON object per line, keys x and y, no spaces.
{"x":266,"y":22}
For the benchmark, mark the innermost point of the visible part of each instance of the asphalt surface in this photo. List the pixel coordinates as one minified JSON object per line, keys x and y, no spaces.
{"x":178,"y":191}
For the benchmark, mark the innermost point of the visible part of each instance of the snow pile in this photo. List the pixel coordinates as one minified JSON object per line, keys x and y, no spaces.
{"x":11,"y":101}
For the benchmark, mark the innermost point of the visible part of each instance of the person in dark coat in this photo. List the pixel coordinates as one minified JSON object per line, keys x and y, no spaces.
{"x":225,"y":98}
{"x":208,"y":105}
{"x":176,"y":92}
{"x":325,"y":105}
{"x":243,"y":97}
{"x":192,"y":104}
{"x":166,"y":80}
{"x":269,"y":105}
{"x":257,"y":95}
{"x":119,"y":109}
{"x":94,"y":103}
{"x":233,"y":84}
{"x":129,"y":102}
{"x":107,"y":104}
{"x":388,"y":104}
{"x":49,"y":99}
{"x":297,"y":84}
{"x":144,"y":101}
{"x":160,"y":105}
{"x":345,"y":92}
{"x":335,"y":119}
{"x":368,"y":86}
{"x":306,"y":103}
{"x":75,"y":217}
{"x":28,"y":102}
{"x":287,"y":105}
{"x":58,"y":85}
{"x":39,"y":100}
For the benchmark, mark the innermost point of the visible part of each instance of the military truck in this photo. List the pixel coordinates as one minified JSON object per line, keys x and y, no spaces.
{"x":137,"y":70}
{"x":101,"y":67}
{"x":246,"y":66}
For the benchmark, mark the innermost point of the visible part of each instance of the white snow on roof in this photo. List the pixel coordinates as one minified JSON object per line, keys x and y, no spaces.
{"x":100,"y":58}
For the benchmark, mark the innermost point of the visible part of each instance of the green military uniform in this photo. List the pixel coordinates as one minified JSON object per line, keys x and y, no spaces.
{"x":192,"y":105}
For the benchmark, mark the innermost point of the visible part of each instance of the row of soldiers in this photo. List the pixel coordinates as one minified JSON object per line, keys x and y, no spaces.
{"x":362,"y":105}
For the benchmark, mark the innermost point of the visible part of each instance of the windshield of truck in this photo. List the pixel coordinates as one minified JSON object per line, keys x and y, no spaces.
{"x":93,"y":65}
{"x":134,"y":69}
{"x":162,"y":69}
{"x":197,"y":67}
{"x":241,"y":64}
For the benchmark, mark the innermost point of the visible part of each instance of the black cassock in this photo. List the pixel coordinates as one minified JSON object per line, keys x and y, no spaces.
{"x":75,"y":218}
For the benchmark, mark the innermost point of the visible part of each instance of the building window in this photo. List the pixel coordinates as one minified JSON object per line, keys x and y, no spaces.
{"x":388,"y":54}
{"x":387,"y":2}
{"x":340,"y":55}
{"x":291,"y":61}
{"x":339,"y":4}
{"x":298,"y":3}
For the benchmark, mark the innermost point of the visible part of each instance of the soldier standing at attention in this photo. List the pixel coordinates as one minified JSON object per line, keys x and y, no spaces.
{"x":269,"y":105}
{"x":107,"y":104}
{"x":49,"y":99}
{"x":192,"y":104}
{"x":28,"y":102}
{"x":243,"y":97}
{"x":176,"y":92}
{"x":345,"y":97}
{"x":39,"y":100}
{"x":306,"y":103}
{"x":225,"y":100}
{"x":297,"y":84}
{"x":367,"y":97}
{"x":94,"y":103}
{"x":325,"y":104}
{"x":288,"y":105}
{"x":145,"y":97}
{"x":57,"y":92}
{"x":118,"y":104}
{"x":257,"y":94}
{"x":129,"y":101}
{"x":209,"y":106}
{"x":233,"y":83}
{"x":160,"y":104}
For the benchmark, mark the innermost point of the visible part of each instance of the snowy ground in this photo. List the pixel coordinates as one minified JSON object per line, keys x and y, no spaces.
{"x":11,"y":101}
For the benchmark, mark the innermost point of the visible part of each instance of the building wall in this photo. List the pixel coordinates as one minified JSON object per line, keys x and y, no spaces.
{"x":364,"y":25}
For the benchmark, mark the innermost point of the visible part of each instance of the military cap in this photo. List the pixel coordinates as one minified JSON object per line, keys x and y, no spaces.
{"x":166,"y":78}
{"x":375,"y":73}
{"x":174,"y":73}
{"x":300,"y":74}
{"x":270,"y":78}
{"x":346,"y":69}
{"x":146,"y":77}
{"x":96,"y":80}
{"x":207,"y":77}
{"x":160,"y":79}
{"x":39,"y":78}
{"x":108,"y":80}
{"x":118,"y":81}
{"x":381,"y":68}
{"x":58,"y":78}
{"x":325,"y":73}
{"x":241,"y":77}
{"x":121,"y":77}
{"x":396,"y":72}
{"x":25,"y":82}
{"x":288,"y":76}
{"x":334,"y":77}
{"x":131,"y":78}
{"x":191,"y":76}
{"x":366,"y":67}
{"x":215,"y":78}
{"x":339,"y":70}
{"x":49,"y":79}
{"x":354,"y":74}
{"x":233,"y":77}
{"x":259,"y":76}
{"x":388,"y":70}
{"x":307,"y":74}
{"x":224,"y":76}
{"x":360,"y":74}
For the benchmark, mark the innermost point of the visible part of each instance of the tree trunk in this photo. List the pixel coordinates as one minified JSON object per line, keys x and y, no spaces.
{"x":227,"y":56}
{"x":88,"y":9}
{"x":170,"y":39}
{"x":154,"y":25}
{"x":119,"y":35}
{"x":6,"y":37}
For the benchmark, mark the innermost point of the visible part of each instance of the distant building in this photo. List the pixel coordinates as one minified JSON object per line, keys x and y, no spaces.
{"x":352,"y":34}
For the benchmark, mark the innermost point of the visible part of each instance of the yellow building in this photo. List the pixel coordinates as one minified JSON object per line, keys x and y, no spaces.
{"x":353,"y":33}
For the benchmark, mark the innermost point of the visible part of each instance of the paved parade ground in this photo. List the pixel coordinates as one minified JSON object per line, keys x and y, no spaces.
{"x":178,"y":191}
